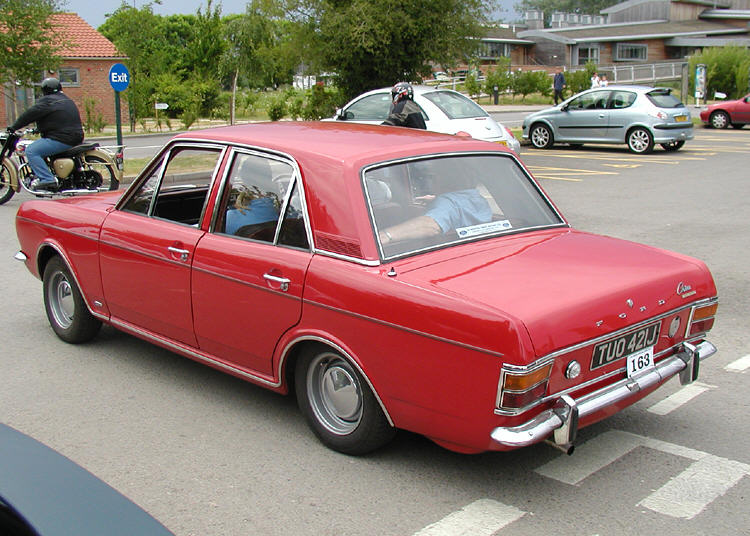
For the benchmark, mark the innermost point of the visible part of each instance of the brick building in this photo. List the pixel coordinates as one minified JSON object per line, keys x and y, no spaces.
{"x":84,"y":73}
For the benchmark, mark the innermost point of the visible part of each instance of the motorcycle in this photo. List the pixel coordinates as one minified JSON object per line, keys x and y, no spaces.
{"x":83,"y":169}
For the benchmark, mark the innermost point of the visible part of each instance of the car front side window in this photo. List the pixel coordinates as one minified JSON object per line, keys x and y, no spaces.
{"x":177,"y":191}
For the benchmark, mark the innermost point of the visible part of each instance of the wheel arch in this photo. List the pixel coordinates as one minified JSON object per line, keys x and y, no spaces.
{"x":302,"y":343}
{"x":46,"y":252}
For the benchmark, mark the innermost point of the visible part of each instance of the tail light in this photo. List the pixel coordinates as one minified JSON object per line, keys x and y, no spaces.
{"x":119,"y":160}
{"x":522,"y":387}
{"x":702,"y":319}
{"x":658,"y":114}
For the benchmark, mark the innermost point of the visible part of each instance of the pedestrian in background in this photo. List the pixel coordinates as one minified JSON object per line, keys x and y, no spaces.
{"x":595,"y":81}
{"x":558,"y":84}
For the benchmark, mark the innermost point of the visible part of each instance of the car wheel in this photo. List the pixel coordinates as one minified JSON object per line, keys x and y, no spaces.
{"x":338,"y":403}
{"x":738,"y":125}
{"x":673,"y":146}
{"x":541,"y":137}
{"x":67,"y":312}
{"x":640,"y":141}
{"x":719,"y":119}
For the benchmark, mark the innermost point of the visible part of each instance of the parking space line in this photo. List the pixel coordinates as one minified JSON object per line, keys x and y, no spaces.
{"x":676,"y":400}
{"x":684,"y":496}
{"x":480,"y":518}
{"x":741,"y":365}
{"x":689,"y":493}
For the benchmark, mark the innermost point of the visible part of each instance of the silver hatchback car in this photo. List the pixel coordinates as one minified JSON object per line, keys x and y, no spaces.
{"x":638,"y":116}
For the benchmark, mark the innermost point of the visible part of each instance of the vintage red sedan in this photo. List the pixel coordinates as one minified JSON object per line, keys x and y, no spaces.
{"x":723,"y":114}
{"x":392,"y":278}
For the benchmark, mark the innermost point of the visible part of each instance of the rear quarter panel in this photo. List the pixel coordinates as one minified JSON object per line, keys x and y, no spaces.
{"x":69,"y":228}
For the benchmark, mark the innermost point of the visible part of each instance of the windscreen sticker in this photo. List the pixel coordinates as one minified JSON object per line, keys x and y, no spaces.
{"x":484,"y":228}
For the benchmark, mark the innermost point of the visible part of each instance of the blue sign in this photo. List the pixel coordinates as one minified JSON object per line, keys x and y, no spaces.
{"x":119,"y":77}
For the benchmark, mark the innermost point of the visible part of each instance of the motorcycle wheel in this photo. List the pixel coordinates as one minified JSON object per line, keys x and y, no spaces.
{"x":6,"y":191}
{"x":103,"y":168}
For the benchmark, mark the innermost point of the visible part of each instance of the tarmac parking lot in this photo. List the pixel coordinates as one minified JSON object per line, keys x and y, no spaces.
{"x":208,"y":454}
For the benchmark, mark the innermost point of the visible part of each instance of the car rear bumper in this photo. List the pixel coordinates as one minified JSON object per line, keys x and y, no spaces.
{"x":561,"y":420}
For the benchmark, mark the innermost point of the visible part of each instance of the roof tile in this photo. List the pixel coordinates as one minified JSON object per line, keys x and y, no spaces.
{"x":81,"y":40}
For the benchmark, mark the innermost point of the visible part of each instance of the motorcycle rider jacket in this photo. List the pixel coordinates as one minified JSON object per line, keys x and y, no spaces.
{"x":56,"y":117}
{"x":406,"y":113}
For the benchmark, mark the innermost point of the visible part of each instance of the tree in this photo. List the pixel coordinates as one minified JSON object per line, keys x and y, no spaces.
{"x":28,"y":41}
{"x":589,"y":7}
{"x":375,"y":43}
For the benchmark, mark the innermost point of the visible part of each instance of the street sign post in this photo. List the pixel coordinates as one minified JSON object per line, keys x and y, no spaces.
{"x":119,"y":79}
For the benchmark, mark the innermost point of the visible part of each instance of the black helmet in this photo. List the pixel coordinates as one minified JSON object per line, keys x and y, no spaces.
{"x":402,"y":90}
{"x":50,"y":86}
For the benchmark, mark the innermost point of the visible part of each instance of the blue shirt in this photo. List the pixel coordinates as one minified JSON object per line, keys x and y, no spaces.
{"x":461,"y":208}
{"x":259,"y":210}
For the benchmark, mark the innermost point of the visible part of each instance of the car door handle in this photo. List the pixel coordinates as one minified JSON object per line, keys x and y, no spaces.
{"x":183,"y":253}
{"x":282,"y":281}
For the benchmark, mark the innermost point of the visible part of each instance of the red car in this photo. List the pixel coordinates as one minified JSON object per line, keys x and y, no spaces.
{"x":393,"y":278}
{"x":723,"y":114}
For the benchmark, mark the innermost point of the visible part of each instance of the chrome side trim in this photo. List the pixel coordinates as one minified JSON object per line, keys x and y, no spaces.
{"x":550,"y":421}
{"x":357,"y":260}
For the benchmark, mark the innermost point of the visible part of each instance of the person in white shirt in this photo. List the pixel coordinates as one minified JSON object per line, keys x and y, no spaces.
{"x":603,"y":82}
{"x":595,"y":82}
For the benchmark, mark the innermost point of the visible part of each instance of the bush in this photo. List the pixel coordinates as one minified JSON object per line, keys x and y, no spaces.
{"x":577,"y":81}
{"x":277,"y":108}
{"x":726,"y":70}
{"x":94,"y":119}
{"x":471,"y":86}
{"x":319,"y":103}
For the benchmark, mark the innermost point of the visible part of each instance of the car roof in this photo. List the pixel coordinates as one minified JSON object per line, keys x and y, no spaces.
{"x":339,"y":141}
{"x":418,"y":90}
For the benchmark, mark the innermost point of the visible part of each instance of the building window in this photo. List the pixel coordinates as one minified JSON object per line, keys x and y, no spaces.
{"x":492,"y":50}
{"x":588,"y":54}
{"x":628,"y":52}
{"x":69,"y":77}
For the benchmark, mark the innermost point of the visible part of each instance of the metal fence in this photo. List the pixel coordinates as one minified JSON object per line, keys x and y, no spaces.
{"x":642,"y":73}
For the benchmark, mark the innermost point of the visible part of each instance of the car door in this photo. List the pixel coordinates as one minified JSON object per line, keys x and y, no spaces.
{"x":742,"y":111}
{"x":622,"y":114}
{"x":584,"y":119}
{"x":249,"y":271}
{"x":147,"y":243}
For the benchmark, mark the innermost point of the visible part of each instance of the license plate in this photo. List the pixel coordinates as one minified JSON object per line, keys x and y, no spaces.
{"x":680,"y":118}
{"x":640,"y":361}
{"x":625,"y":345}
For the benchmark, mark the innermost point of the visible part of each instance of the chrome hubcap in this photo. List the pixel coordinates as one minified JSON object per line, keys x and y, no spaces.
{"x":720,"y":121}
{"x":335,"y":393}
{"x":61,"y":300}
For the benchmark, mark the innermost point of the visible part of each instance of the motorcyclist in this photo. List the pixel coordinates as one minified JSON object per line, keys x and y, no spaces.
{"x":404,"y":111}
{"x":59,"y":122}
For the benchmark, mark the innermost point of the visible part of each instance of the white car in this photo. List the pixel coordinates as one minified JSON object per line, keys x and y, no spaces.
{"x":444,"y":110}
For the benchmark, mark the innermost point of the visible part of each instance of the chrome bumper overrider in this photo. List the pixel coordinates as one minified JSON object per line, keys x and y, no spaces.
{"x":562,"y":419}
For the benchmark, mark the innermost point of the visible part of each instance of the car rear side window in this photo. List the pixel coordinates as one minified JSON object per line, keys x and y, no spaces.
{"x":664,"y":99}
{"x":370,"y":108}
{"x":621,"y":99}
{"x":455,"y":105}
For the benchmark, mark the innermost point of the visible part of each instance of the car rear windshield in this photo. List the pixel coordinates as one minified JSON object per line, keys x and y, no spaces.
{"x":663,"y":98}
{"x":434,"y":202}
{"x":455,"y":105}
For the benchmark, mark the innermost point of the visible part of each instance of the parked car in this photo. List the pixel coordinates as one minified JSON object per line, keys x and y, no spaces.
{"x":43,"y":493}
{"x":444,"y":110}
{"x":638,"y":116}
{"x":392,"y":278}
{"x":723,"y":114}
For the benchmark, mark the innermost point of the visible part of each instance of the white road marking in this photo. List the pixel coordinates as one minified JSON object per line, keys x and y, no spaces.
{"x":683,"y":396}
{"x":741,"y":365}
{"x":480,"y":518}
{"x":684,"y":496}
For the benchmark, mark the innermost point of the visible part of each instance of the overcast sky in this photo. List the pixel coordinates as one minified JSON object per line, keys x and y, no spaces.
{"x":94,"y":11}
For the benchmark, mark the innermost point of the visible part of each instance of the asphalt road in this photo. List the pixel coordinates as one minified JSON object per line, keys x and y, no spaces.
{"x":208,"y":454}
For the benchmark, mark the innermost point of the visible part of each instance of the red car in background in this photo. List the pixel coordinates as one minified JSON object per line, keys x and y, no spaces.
{"x":723,"y":114}
{"x":392,"y":278}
